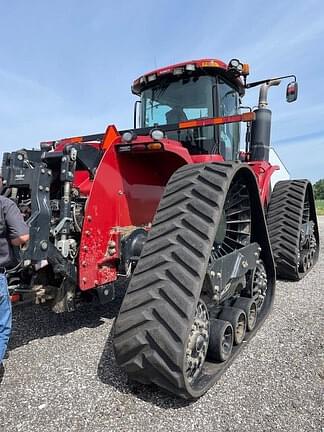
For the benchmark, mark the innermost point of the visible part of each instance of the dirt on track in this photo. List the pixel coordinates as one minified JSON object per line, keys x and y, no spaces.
{"x":61,"y":374}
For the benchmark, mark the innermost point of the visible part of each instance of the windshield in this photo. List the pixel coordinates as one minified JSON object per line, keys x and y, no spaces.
{"x":172,"y":102}
{"x":187,"y":98}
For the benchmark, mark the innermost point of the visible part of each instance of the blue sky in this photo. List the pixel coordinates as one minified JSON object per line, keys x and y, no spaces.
{"x":66,"y":66}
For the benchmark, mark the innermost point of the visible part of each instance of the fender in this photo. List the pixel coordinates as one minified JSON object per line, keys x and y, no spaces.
{"x":124,"y":194}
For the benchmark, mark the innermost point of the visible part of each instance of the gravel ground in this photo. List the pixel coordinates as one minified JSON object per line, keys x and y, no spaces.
{"x":61,"y":374}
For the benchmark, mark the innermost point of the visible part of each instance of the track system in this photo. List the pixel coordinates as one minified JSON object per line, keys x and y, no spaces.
{"x":195,"y":293}
{"x":293,"y":228}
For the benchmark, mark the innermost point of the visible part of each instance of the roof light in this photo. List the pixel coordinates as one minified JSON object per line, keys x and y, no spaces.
{"x":236,"y":66}
{"x":178,"y":71}
{"x":246,"y":69}
{"x":234,"y":63}
{"x":151,"y":78}
{"x":190,"y":67}
{"x":209,"y":63}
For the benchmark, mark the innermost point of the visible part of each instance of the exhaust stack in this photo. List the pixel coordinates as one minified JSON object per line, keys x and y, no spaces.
{"x":261,"y":127}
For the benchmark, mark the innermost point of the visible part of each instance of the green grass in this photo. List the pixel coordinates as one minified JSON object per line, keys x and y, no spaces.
{"x":320,"y":207}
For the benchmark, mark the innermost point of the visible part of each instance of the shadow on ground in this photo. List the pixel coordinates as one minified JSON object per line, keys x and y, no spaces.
{"x":36,"y":322}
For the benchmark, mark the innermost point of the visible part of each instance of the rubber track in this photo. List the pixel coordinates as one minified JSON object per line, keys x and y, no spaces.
{"x":156,"y":315}
{"x":284,"y":219}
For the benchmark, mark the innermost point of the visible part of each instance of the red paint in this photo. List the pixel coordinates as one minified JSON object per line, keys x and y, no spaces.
{"x":263,"y":171}
{"x":125,"y":193}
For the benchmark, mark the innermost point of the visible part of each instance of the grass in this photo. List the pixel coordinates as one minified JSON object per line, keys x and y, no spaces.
{"x":320,"y":207}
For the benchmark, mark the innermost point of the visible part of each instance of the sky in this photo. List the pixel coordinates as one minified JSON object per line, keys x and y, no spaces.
{"x":66,"y":66}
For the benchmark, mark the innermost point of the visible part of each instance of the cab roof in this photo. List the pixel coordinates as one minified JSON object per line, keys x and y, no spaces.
{"x":212,"y":66}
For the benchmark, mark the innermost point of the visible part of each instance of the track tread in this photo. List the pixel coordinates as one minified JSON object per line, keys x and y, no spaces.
{"x":284,"y":220}
{"x":194,"y":196}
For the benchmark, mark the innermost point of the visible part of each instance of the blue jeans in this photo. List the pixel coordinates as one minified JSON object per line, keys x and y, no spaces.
{"x":5,"y":316}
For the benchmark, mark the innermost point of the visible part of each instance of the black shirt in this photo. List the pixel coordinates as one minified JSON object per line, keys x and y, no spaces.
{"x":12,"y":225}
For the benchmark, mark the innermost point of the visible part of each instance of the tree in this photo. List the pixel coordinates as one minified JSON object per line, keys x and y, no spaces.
{"x":319,"y":189}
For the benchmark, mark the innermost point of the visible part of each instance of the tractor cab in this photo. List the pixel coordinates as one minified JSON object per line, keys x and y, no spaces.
{"x":193,"y":90}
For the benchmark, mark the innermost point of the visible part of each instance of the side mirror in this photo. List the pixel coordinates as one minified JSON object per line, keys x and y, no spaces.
{"x":292,"y":91}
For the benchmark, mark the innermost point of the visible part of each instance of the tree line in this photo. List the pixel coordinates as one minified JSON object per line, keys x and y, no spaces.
{"x":319,"y":190}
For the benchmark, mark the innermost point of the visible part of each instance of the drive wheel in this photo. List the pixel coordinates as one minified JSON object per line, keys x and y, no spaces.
{"x":197,"y":344}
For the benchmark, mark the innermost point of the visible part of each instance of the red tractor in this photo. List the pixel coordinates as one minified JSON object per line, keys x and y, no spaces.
{"x":174,"y":207}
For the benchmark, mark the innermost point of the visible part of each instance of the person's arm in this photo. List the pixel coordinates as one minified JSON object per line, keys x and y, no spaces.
{"x":18,"y":231}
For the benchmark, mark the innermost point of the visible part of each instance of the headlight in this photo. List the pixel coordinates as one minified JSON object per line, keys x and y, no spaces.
{"x":157,"y":134}
{"x":128,"y":136}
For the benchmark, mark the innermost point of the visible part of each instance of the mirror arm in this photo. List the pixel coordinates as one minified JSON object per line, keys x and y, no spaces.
{"x":266,"y":81}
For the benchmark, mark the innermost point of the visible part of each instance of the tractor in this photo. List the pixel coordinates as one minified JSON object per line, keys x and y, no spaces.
{"x":195,"y":225}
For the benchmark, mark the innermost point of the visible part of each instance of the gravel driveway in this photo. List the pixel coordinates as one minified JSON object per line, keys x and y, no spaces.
{"x":61,"y":374}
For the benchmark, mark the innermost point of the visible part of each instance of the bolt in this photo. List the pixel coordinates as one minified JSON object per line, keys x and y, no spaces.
{"x":219,"y":275}
{"x":85,"y":248}
{"x":244,"y":264}
{"x":4,"y":182}
{"x":42,"y":171}
{"x":63,"y":159}
{"x":112,"y":244}
{"x":49,"y":172}
{"x":258,"y":261}
{"x":84,"y":264}
{"x":89,"y":218}
{"x":212,"y":273}
{"x":106,"y":292}
{"x":259,"y":249}
{"x":47,"y":189}
{"x":20,"y":157}
{"x":96,"y":282}
{"x":88,"y":233}
{"x":40,"y":187}
{"x":120,"y":192}
{"x":256,"y":254}
{"x":216,"y":288}
{"x":44,"y":245}
{"x":84,"y":279}
{"x":112,"y":251}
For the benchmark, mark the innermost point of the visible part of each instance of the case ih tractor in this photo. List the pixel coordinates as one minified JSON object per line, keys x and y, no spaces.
{"x":176,"y":208}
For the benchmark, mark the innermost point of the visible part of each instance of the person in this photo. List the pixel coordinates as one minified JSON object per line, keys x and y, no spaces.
{"x":175,"y":115}
{"x":13,"y":232}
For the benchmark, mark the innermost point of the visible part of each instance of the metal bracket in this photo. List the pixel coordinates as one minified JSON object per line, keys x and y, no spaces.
{"x":55,"y":230}
{"x":228,"y":271}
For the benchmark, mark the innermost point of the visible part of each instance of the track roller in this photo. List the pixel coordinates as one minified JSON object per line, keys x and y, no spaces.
{"x":221,"y":340}
{"x":166,"y":332}
{"x":237,"y":318}
{"x":250,"y":308}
